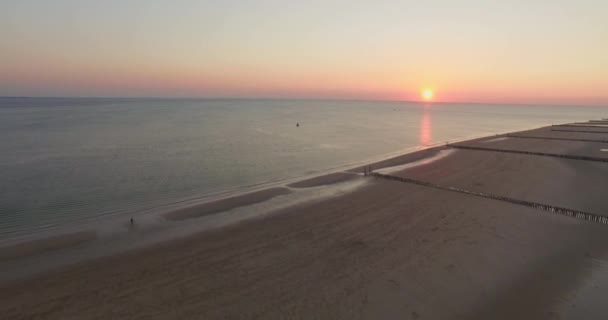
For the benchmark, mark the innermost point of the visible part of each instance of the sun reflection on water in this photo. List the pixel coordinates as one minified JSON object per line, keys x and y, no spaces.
{"x":425,"y":137}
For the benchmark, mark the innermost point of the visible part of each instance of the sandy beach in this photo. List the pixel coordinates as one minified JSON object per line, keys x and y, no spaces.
{"x":387,"y":250}
{"x":225,"y":204}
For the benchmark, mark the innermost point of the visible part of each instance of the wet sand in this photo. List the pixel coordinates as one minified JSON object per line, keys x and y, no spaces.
{"x":324,"y":180}
{"x":402,"y":160}
{"x":225,"y":204}
{"x":388,"y":250}
{"x":39,"y":246}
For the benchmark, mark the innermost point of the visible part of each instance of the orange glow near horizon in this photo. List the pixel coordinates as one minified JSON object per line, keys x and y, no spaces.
{"x":208,"y":49}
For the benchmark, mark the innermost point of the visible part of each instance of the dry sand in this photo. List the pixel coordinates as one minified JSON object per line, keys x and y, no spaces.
{"x":388,"y":250}
{"x":580,"y":148}
{"x":571,"y":134}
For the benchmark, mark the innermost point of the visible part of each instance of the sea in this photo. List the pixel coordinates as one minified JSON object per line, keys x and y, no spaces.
{"x":80,"y":161}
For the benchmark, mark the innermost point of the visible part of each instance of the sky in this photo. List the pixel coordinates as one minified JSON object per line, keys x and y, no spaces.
{"x":540,"y":52}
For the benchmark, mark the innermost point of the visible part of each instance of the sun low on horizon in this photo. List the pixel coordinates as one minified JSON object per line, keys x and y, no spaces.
{"x":427,"y":94}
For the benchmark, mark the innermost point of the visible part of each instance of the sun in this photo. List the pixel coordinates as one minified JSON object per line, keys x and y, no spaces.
{"x":427,"y":94}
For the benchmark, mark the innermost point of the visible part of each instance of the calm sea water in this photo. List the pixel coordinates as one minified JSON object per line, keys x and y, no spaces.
{"x":67,"y":160}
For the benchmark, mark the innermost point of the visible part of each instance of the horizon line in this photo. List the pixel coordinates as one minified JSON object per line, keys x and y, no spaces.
{"x":301,"y":98}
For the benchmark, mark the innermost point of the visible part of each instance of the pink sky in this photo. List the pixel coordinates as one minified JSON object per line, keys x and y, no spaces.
{"x":548,"y":52}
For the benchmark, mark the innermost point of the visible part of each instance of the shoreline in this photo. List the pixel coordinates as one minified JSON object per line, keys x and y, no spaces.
{"x":196,"y":212}
{"x":211,"y":205}
{"x":380,"y":249}
{"x":85,"y":223}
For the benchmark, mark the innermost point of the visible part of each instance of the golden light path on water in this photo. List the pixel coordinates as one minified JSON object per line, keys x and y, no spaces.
{"x":425,"y":135}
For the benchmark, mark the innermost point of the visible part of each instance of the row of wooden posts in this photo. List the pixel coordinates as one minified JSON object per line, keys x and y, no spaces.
{"x":557,"y":155}
{"x":545,"y":207}
{"x":555,"y":138}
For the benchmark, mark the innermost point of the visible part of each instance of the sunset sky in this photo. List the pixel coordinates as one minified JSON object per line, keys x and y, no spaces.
{"x":553,"y":52}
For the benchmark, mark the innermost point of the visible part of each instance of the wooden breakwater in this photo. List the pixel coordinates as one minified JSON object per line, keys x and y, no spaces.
{"x":580,"y":126}
{"x":584,"y":131}
{"x":544,"y":154}
{"x":555,"y":138}
{"x":597,"y":218}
